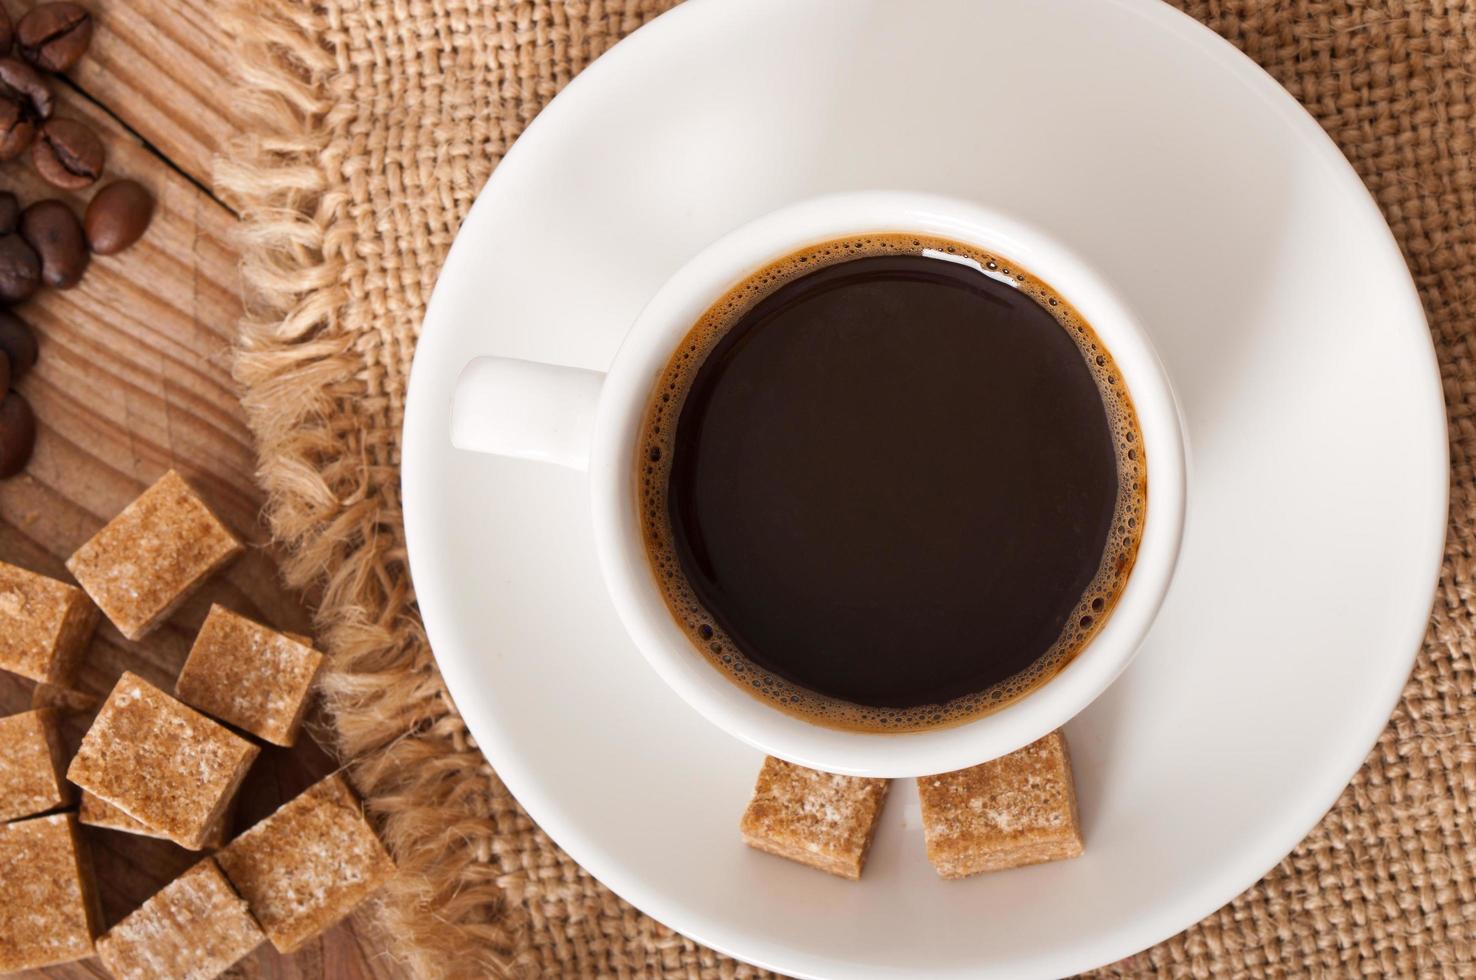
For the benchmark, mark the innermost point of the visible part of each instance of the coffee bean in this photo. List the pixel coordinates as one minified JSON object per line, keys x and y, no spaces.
{"x":9,"y":212}
{"x":20,"y":269}
{"x":117,"y":216}
{"x":54,"y":36}
{"x":52,"y":229}
{"x":67,"y":154}
{"x":23,"y":85}
{"x":16,"y":129}
{"x":7,"y":31}
{"x":17,"y":433}
{"x":19,"y":344}
{"x":5,"y":377}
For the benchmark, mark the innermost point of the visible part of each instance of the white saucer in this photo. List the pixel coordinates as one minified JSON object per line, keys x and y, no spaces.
{"x":1272,"y":290}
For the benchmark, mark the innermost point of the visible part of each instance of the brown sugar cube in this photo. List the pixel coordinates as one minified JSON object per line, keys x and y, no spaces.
{"x":816,"y":818}
{"x":95,"y":812}
{"x":149,"y":558}
{"x":197,"y":927}
{"x":44,"y":625}
{"x":308,"y":865}
{"x":31,"y":764}
{"x":1017,"y":810}
{"x":249,"y":676}
{"x":49,"y":913}
{"x":162,"y":763}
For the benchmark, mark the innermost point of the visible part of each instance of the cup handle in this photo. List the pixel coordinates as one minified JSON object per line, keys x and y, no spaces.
{"x":525,"y":410}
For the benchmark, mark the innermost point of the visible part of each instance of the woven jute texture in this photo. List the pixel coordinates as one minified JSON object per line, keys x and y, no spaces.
{"x":375,"y":124}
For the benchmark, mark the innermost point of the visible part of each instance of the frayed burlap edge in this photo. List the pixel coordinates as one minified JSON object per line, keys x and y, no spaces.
{"x":410,"y":756}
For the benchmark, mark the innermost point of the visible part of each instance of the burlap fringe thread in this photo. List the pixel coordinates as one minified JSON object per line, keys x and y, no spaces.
{"x":337,"y":518}
{"x":1385,"y":886}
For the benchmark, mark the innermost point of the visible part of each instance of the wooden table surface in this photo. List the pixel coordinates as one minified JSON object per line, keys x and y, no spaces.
{"x":134,"y":378}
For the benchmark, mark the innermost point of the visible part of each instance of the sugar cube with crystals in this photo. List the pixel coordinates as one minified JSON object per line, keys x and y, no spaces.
{"x":308,"y":865}
{"x":44,"y":625}
{"x":160,"y":762}
{"x":195,"y":928}
{"x":49,"y":914}
{"x":95,"y":812}
{"x":152,"y":556}
{"x":1016,"y":810}
{"x":31,"y":765}
{"x":249,"y":676}
{"x":821,"y":819}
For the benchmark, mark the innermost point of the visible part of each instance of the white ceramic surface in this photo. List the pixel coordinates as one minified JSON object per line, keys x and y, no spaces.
{"x":1271,"y":289}
{"x":567,"y":415}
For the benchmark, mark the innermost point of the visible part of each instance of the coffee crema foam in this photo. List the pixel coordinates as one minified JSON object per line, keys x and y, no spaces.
{"x":654,"y":461}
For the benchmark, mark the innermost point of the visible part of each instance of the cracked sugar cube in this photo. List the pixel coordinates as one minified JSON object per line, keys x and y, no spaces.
{"x":196,"y":928}
{"x":817,"y":818}
{"x":308,"y":865}
{"x":31,"y":765}
{"x":249,"y":676}
{"x":44,"y":625}
{"x":152,"y":556}
{"x":95,"y":812}
{"x":161,"y":762}
{"x":49,"y":914}
{"x":1016,"y":810}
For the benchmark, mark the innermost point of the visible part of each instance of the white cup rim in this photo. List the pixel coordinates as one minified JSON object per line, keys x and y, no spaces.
{"x":612,"y":468}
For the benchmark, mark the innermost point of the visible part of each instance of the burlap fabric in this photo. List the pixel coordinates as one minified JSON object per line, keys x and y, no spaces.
{"x":375,"y":124}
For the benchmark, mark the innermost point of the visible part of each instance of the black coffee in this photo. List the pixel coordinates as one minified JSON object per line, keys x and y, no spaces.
{"x":891,"y":483}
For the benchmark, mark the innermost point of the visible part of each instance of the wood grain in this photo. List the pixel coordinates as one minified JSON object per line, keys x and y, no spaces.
{"x":134,"y":378}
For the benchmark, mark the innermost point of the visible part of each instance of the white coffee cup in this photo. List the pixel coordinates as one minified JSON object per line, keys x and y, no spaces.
{"x":586,"y":420}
